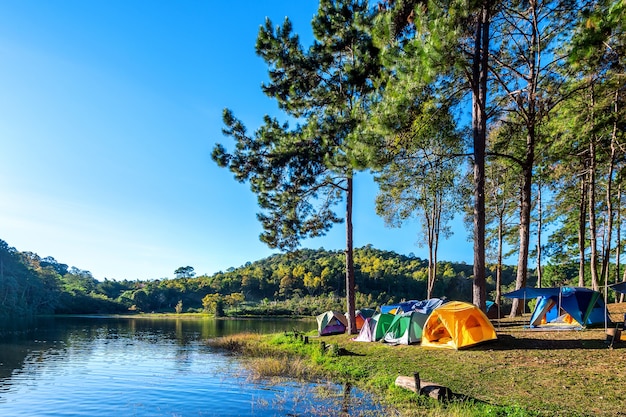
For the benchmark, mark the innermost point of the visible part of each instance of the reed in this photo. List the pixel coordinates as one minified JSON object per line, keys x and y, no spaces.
{"x":245,"y":343}
{"x":281,"y":367}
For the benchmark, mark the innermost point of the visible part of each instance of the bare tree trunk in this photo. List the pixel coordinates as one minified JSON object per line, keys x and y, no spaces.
{"x":434,"y":264}
{"x":582,"y":214}
{"x":430,"y":224}
{"x":350,"y":293}
{"x":524,"y":229}
{"x":499,"y":266}
{"x":593,"y":243}
{"x":479,"y":126}
{"x":539,"y":227}
{"x":439,"y":199}
{"x":618,"y":207}
{"x":430,"y":284}
{"x":618,"y":247}
{"x":434,"y":244}
{"x":609,"y":214}
{"x":618,"y":232}
{"x":529,"y":161}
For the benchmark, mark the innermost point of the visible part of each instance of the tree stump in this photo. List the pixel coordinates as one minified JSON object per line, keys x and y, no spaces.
{"x":415,"y":384}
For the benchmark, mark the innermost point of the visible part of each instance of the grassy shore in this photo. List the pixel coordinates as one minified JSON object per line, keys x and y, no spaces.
{"x":525,"y":373}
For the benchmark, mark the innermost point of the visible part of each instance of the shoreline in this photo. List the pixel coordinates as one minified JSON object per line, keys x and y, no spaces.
{"x":525,"y":373}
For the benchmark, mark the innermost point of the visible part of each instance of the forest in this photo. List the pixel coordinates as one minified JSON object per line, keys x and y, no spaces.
{"x":510,"y":114}
{"x":303,"y":283}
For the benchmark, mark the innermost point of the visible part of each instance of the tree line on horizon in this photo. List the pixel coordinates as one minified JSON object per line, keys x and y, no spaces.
{"x":306,"y":282}
{"x":509,"y":112}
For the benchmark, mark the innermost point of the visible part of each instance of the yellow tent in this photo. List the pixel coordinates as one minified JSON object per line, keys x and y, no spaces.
{"x":457,"y":325}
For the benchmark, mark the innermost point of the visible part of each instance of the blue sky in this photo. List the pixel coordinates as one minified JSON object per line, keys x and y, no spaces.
{"x":109,"y":110}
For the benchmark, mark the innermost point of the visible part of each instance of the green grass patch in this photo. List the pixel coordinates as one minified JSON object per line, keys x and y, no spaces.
{"x":523,"y":374}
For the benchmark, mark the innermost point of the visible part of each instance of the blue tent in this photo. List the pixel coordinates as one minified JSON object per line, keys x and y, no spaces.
{"x":421,"y":306}
{"x":405,"y":306}
{"x":620,"y":288}
{"x":427,"y":306}
{"x":528,"y":292}
{"x":564,"y":306}
{"x":389,"y":308}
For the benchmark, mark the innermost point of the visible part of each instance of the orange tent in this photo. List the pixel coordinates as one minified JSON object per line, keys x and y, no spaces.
{"x":457,"y":325}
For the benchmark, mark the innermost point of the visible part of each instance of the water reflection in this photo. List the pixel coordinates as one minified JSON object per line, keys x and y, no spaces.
{"x":149,"y":367}
{"x":52,"y":336}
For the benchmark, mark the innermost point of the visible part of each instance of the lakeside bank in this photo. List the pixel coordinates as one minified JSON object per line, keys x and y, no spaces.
{"x":525,"y":373}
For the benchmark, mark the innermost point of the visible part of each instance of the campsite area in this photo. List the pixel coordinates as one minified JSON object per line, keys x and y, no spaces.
{"x":523,"y":373}
{"x":567,"y":373}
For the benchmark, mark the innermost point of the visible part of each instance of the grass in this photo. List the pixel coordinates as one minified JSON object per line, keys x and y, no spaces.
{"x":525,"y":373}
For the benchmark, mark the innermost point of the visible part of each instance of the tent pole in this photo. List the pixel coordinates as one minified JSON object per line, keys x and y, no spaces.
{"x":524,"y":311}
{"x":606,"y":303}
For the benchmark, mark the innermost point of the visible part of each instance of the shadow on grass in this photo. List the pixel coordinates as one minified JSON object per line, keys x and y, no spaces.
{"x":551,"y":342}
{"x":447,"y":396}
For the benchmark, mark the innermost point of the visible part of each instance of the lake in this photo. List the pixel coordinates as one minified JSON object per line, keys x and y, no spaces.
{"x":111,"y":366}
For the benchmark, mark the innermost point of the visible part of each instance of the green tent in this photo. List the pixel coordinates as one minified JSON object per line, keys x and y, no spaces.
{"x":374,"y":328}
{"x":331,"y":322}
{"x":406,"y":328}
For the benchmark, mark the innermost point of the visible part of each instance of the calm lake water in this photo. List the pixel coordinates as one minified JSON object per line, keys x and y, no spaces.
{"x":143,"y":367}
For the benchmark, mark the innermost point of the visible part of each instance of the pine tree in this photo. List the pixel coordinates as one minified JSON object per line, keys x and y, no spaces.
{"x":300,"y":173}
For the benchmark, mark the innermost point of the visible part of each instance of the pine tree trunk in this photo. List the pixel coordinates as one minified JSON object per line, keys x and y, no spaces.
{"x":593,"y":262}
{"x":436,"y":243}
{"x":606,"y":255}
{"x":539,"y":227}
{"x":582,"y":214}
{"x":431,"y":238}
{"x":499,"y":267}
{"x":350,"y":292}
{"x":479,"y":125}
{"x":430,"y":284}
{"x":530,"y":116}
{"x":618,"y":232}
{"x":593,"y":244}
{"x":524,"y":233}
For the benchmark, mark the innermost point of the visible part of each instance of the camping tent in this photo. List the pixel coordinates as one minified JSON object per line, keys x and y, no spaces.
{"x":406,"y":328}
{"x":331,"y":322}
{"x":564,"y":307}
{"x":575,"y":306}
{"x":619,"y":287}
{"x":389,"y":308}
{"x":405,"y":306}
{"x":374,"y":327}
{"x":493,"y":310}
{"x":427,"y":306}
{"x":457,"y":325}
{"x":424,"y":306}
{"x":361,"y":315}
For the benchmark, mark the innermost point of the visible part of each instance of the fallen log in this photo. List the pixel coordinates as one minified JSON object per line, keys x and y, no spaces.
{"x":415,"y":384}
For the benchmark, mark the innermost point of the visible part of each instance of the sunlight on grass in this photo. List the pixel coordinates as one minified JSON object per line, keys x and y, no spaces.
{"x":523,"y":374}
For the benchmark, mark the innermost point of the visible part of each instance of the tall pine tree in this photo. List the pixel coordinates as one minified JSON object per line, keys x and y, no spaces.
{"x":300,"y":173}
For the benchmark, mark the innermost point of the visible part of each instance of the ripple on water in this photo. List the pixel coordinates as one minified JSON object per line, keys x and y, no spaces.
{"x":91,"y":371}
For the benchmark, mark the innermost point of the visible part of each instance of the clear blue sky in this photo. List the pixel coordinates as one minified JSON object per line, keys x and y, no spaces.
{"x":109,"y":110}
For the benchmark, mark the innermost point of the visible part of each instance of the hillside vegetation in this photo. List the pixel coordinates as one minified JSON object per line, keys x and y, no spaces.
{"x":305,"y":282}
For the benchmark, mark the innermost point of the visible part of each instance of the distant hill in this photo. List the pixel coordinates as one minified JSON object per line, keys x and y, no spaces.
{"x":31,"y":285}
{"x":377,"y":272}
